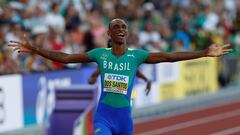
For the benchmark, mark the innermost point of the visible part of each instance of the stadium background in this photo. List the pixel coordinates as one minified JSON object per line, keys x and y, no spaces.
{"x":75,"y":26}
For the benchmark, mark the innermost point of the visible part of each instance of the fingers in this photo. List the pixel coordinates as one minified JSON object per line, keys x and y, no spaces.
{"x":226,"y":45}
{"x":24,"y":51}
{"x":225,"y":53}
{"x":12,"y":45}
{"x":15,"y":45}
{"x":15,"y":49}
{"x":19,"y":49}
{"x":227,"y":50}
{"x":25,"y":38}
{"x":222,"y":46}
{"x":15,"y":42}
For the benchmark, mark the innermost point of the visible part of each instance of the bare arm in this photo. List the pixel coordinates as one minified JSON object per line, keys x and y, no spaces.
{"x":93,"y":77}
{"x":26,"y":47}
{"x":149,"y":83}
{"x":173,"y":57}
{"x":63,"y":57}
{"x":140,"y":75}
{"x":96,"y":73}
{"x":213,"y":51}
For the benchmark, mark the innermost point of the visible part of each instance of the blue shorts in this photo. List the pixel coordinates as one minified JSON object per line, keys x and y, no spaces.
{"x":113,"y":121}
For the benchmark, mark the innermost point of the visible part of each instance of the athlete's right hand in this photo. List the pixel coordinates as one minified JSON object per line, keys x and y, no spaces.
{"x":21,"y":47}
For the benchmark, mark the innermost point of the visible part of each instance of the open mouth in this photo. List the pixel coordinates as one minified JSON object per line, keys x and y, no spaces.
{"x":121,"y":35}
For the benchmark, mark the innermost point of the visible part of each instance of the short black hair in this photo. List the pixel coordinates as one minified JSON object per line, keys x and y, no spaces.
{"x":109,"y":25}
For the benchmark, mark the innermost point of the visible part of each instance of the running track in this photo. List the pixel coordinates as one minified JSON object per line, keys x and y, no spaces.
{"x":222,"y":119}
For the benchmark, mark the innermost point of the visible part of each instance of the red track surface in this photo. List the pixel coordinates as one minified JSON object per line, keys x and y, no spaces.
{"x":218,"y":120}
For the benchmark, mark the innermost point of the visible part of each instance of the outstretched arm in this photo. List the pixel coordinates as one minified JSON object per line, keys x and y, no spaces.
{"x":93,"y":77}
{"x":149,"y":83}
{"x":26,"y":47}
{"x":212,"y":51}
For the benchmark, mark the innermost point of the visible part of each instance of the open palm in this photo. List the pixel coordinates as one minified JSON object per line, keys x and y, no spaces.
{"x":216,"y":50}
{"x":21,"y":47}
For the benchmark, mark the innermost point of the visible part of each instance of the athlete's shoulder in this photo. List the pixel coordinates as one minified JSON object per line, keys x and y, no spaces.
{"x":104,"y":49}
{"x":139,"y":54}
{"x":97,"y":50}
{"x":95,"y":53}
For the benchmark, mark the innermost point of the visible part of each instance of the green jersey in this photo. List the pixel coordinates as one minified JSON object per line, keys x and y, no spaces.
{"x":117,"y":74}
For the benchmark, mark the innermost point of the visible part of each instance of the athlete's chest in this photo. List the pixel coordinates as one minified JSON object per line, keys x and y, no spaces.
{"x":109,"y":62}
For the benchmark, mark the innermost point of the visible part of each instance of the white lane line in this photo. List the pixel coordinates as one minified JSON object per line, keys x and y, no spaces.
{"x":193,"y":123}
{"x":227,"y":131}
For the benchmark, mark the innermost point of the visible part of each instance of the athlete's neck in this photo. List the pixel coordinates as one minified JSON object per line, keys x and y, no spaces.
{"x":119,"y":50}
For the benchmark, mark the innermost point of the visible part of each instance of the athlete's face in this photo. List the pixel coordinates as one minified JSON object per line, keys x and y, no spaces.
{"x":118,"y":31}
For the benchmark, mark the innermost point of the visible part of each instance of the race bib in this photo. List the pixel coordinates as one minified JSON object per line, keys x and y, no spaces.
{"x":116,"y":83}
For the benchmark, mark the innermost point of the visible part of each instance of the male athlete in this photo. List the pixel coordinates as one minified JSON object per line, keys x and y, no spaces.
{"x":118,"y":67}
{"x":93,"y":78}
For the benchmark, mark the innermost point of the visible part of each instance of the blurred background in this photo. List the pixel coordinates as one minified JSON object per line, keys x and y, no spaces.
{"x":28,"y":82}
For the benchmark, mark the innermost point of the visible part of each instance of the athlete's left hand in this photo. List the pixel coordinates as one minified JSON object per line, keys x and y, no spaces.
{"x":148,"y":87}
{"x":216,"y":50}
{"x":92,"y":80}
